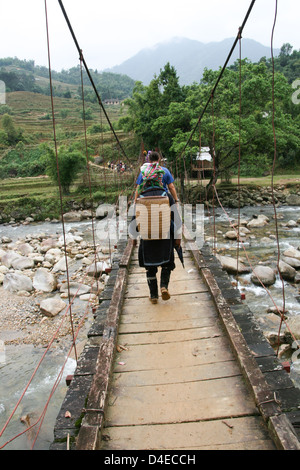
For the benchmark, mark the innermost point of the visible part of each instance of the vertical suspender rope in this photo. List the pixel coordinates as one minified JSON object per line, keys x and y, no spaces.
{"x":273,"y":169}
{"x":88,"y":165}
{"x":239,"y":164}
{"x":214,"y":171}
{"x":58,"y":175}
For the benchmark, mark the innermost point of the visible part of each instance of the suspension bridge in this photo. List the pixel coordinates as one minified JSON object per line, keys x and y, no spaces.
{"x":192,"y":373}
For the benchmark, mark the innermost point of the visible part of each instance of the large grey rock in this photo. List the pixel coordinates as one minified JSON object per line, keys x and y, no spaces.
{"x":231,"y":265}
{"x":294,"y":262}
{"x":14,"y":282}
{"x":44,"y":280}
{"x":75,"y":288}
{"x":61,"y":265}
{"x":258,"y":222}
{"x":25,"y":249}
{"x":22,"y":263}
{"x":96,"y":270}
{"x":73,"y":216}
{"x":292,"y":200}
{"x":48,"y":244}
{"x":288,"y":272}
{"x":264,"y":274}
{"x":292,"y":253}
{"x":9,"y":257}
{"x":52,"y":307}
{"x":2,"y":253}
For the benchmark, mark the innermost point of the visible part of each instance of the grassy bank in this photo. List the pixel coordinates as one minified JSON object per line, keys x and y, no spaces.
{"x":39,"y":196}
{"x":24,"y":197}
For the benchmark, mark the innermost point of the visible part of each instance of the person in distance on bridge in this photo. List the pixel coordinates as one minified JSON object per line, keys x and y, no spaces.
{"x":153,"y":181}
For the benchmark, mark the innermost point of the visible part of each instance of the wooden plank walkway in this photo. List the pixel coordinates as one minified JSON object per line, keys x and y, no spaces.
{"x":176,"y":383}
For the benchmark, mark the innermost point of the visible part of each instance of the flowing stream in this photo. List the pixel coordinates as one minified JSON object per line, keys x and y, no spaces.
{"x":17,"y":363}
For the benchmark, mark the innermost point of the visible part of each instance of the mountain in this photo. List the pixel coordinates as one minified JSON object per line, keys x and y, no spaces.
{"x":189,"y":57}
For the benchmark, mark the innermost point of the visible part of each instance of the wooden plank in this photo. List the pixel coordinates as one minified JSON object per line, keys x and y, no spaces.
{"x":176,"y":375}
{"x":176,"y":275}
{"x":180,"y":402}
{"x":171,"y":355}
{"x":198,"y":303}
{"x":237,"y":433}
{"x":172,"y":336}
{"x":134,"y":324}
{"x":176,"y":287}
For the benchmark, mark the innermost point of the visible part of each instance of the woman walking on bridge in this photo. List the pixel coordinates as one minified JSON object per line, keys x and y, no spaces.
{"x":155,"y":252}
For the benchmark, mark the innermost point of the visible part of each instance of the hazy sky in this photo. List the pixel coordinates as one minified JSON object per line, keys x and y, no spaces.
{"x":111,"y":31}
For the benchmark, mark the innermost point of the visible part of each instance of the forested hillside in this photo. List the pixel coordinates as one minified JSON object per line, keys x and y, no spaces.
{"x":24,"y":75}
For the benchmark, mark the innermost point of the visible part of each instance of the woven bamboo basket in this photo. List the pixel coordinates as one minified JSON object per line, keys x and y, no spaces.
{"x":153,"y":216}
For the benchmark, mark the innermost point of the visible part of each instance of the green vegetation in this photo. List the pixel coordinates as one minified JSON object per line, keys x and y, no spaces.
{"x":161,"y":115}
{"x":24,"y":75}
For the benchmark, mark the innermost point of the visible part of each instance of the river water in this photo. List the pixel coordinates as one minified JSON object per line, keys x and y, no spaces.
{"x":17,"y":363}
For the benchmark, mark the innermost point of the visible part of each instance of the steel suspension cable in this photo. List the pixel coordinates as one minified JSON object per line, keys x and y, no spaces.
{"x":220,"y":75}
{"x":90,"y":77}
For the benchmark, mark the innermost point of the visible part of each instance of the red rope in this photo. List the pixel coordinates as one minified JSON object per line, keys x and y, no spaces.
{"x":57,"y":167}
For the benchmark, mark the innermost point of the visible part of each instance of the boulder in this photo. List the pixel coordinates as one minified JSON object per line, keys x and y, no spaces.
{"x":231,"y":266}
{"x":294,"y":328}
{"x":264,"y":274}
{"x":231,"y":235}
{"x":9,"y":257}
{"x":22,"y":263}
{"x":25,"y":249}
{"x":52,"y":307}
{"x":61,"y":265}
{"x":76,"y":288}
{"x":98,"y":269}
{"x":292,"y":200}
{"x":294,"y":262}
{"x":258,"y":222}
{"x":44,"y":280}
{"x":2,"y":253}
{"x":291,"y":224}
{"x":288,"y":273}
{"x":290,"y":252}
{"x":73,"y":216}
{"x":48,"y":244}
{"x":15,"y":282}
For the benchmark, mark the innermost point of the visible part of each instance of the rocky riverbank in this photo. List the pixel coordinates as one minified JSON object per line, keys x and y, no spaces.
{"x":34,"y":292}
{"x":257,"y":268}
{"x":248,"y":195}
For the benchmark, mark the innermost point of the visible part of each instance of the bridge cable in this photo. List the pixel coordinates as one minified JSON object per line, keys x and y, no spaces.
{"x":90,"y":77}
{"x":273,"y":171}
{"x":58,"y":173}
{"x":220,"y":75}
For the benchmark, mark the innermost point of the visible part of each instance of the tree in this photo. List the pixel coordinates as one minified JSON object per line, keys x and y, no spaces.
{"x":149,"y":104}
{"x":13,"y":135}
{"x":70,"y":163}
